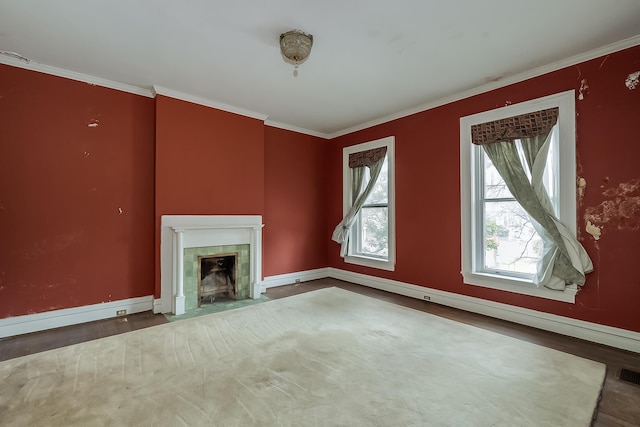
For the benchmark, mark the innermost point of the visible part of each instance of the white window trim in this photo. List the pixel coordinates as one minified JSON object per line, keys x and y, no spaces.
{"x":389,"y":142}
{"x":565,"y":101}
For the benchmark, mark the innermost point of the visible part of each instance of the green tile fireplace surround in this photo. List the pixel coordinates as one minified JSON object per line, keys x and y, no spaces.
{"x":185,"y":237}
{"x":191,"y":270}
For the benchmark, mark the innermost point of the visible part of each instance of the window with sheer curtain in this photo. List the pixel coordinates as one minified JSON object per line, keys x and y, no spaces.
{"x":367,"y":233}
{"x":518,"y":199}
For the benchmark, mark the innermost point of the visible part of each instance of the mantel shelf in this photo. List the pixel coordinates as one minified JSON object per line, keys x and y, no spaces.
{"x":216,"y":227}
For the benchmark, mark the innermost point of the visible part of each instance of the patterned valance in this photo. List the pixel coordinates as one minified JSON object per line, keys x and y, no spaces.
{"x":367,"y":158}
{"x":523,"y":126}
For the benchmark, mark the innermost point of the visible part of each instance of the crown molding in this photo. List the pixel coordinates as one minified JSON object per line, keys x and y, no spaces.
{"x":296,"y":129}
{"x":73,"y":75}
{"x":567,"y":62}
{"x":159,"y":90}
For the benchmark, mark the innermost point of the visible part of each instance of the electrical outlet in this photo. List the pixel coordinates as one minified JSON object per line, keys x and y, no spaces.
{"x":121,"y":312}
{"x":427,"y":298}
{"x":297,"y":280}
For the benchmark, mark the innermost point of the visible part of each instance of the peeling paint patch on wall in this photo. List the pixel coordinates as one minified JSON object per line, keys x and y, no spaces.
{"x":633,"y":80}
{"x":582,"y":184}
{"x":621,"y":211}
{"x":584,"y":89}
{"x":624,"y":189}
{"x":593,"y":230}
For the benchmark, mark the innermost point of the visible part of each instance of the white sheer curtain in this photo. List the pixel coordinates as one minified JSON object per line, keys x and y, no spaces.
{"x":564,"y":260}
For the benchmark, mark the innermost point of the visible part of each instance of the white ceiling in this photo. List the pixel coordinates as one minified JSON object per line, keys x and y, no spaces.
{"x":370,"y":60}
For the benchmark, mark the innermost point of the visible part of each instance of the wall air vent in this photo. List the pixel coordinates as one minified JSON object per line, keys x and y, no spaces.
{"x":629,"y":376}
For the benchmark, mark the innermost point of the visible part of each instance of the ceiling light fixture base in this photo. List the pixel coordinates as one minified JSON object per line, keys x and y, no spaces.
{"x":295,"y":46}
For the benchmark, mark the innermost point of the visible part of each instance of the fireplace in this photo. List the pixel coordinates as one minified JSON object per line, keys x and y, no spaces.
{"x":221,"y":272}
{"x":187,"y":238}
{"x":217,"y":276}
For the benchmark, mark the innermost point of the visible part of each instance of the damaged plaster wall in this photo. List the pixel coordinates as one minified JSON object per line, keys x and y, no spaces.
{"x":76,"y":193}
{"x":619,"y":211}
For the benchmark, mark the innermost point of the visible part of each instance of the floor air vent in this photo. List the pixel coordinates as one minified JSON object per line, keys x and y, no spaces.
{"x":630,"y":376}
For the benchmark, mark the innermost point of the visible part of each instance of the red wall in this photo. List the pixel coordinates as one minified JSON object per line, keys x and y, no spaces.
{"x":428,"y":190}
{"x":76,"y":193}
{"x":208,"y":162}
{"x":79,"y":202}
{"x":295,"y":237}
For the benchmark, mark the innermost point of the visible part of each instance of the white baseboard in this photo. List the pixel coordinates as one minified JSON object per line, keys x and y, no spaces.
{"x":71,"y":316}
{"x":291,"y":278}
{"x":158,"y":306}
{"x":614,"y":337}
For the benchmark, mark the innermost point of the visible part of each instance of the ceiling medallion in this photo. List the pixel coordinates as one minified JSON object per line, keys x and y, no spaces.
{"x":295,"y":47}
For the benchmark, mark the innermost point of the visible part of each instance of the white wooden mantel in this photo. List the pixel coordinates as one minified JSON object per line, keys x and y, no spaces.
{"x":191,"y":231}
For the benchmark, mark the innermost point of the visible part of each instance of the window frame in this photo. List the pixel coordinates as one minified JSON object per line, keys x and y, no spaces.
{"x":359,"y":259}
{"x":471,"y":273}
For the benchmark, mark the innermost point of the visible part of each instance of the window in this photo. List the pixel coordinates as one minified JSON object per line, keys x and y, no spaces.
{"x":509,"y":243}
{"x":371,"y":233}
{"x":500,"y":245}
{"x":372,"y":239}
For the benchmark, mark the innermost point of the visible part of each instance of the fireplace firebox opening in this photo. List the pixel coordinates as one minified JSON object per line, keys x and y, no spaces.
{"x":217,"y":277}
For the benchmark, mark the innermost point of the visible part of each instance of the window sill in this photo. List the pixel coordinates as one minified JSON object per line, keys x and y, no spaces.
{"x":388,"y":265}
{"x":520,"y":286}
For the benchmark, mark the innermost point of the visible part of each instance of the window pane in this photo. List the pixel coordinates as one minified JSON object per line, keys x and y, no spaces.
{"x":494,"y":185}
{"x":374,"y":232}
{"x":551,"y":172}
{"x":379,"y":192}
{"x":510,"y":241}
